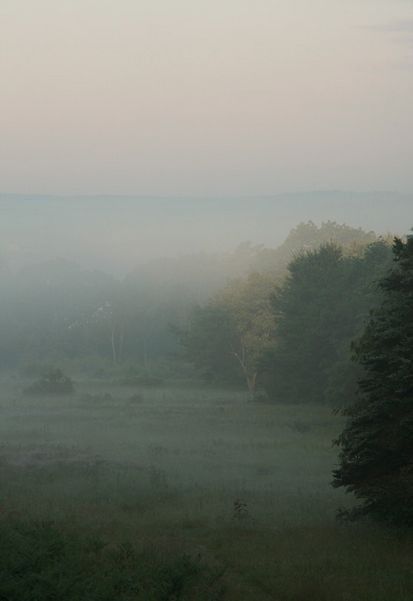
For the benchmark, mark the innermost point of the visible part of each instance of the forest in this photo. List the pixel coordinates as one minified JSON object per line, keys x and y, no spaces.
{"x":57,"y":311}
{"x":160,"y":429}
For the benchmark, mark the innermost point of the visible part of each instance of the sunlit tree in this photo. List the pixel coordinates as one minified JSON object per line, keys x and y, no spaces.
{"x":227,"y":337}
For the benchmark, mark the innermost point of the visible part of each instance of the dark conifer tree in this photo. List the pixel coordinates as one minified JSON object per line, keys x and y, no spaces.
{"x":376,"y":459}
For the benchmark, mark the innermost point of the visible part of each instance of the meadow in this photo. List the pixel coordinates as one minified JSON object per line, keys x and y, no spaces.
{"x":181,"y":492}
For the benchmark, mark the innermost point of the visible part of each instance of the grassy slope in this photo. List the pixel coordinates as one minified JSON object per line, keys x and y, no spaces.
{"x":167,"y":472}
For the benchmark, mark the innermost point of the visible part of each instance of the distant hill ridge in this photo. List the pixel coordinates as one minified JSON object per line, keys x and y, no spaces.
{"x":116,"y":233}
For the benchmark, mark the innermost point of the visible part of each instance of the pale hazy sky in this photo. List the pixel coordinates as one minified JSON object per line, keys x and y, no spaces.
{"x":205,"y":97}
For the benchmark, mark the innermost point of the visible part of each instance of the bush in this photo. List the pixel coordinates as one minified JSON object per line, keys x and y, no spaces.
{"x":40,"y":561}
{"x":53,"y":381}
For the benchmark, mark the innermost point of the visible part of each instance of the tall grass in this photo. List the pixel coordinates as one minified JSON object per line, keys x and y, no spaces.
{"x":163,"y":475}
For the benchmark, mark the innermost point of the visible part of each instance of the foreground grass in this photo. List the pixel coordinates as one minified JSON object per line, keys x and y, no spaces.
{"x":40,"y":561}
{"x":321,"y":564}
{"x":181,"y":494}
{"x":63,"y":560}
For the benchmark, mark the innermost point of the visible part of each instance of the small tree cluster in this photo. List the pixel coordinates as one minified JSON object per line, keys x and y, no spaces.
{"x":53,"y":381}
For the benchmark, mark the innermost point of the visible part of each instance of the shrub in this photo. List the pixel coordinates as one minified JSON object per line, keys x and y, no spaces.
{"x":53,"y":381}
{"x":41,"y":561}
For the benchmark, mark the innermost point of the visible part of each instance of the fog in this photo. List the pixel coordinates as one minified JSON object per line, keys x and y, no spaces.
{"x":116,"y":234}
{"x":173,"y":373}
{"x":206,"y":300}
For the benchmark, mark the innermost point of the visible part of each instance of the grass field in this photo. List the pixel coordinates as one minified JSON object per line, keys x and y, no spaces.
{"x":219,"y":498}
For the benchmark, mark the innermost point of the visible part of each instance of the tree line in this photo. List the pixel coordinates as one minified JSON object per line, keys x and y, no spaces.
{"x":325,"y":318}
{"x":57,"y":311}
{"x":290,"y":336}
{"x":337,"y":329}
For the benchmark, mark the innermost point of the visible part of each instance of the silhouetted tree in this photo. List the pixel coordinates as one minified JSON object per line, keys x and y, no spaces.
{"x":376,"y":459}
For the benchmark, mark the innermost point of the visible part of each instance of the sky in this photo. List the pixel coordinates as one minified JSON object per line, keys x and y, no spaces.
{"x":205,"y":97}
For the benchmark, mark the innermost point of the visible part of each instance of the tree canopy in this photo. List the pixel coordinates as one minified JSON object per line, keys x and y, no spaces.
{"x":320,"y":307}
{"x":376,"y":460}
{"x":226,"y":338}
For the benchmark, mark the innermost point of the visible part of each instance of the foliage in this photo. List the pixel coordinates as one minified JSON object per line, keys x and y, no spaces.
{"x":207,"y":342}
{"x":309,"y":237}
{"x":319,"y":309}
{"x":226,"y":338}
{"x":53,"y":381}
{"x":40,"y":561}
{"x":376,"y":461}
{"x":58,"y":311}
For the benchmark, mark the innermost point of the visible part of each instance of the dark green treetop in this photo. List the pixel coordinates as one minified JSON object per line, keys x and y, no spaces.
{"x":376,"y":458}
{"x":319,"y":309}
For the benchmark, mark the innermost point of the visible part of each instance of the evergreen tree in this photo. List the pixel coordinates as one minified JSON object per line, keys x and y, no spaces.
{"x":376,"y":459}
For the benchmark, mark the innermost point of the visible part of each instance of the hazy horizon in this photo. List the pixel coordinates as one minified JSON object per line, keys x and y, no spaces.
{"x":115,"y":233}
{"x":139,"y":130}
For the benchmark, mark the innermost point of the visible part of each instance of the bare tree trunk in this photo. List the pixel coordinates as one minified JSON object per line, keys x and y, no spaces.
{"x":113,"y":342}
{"x":251,"y":379}
{"x":145,"y":355}
{"x":121,"y":342}
{"x":251,"y":383}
